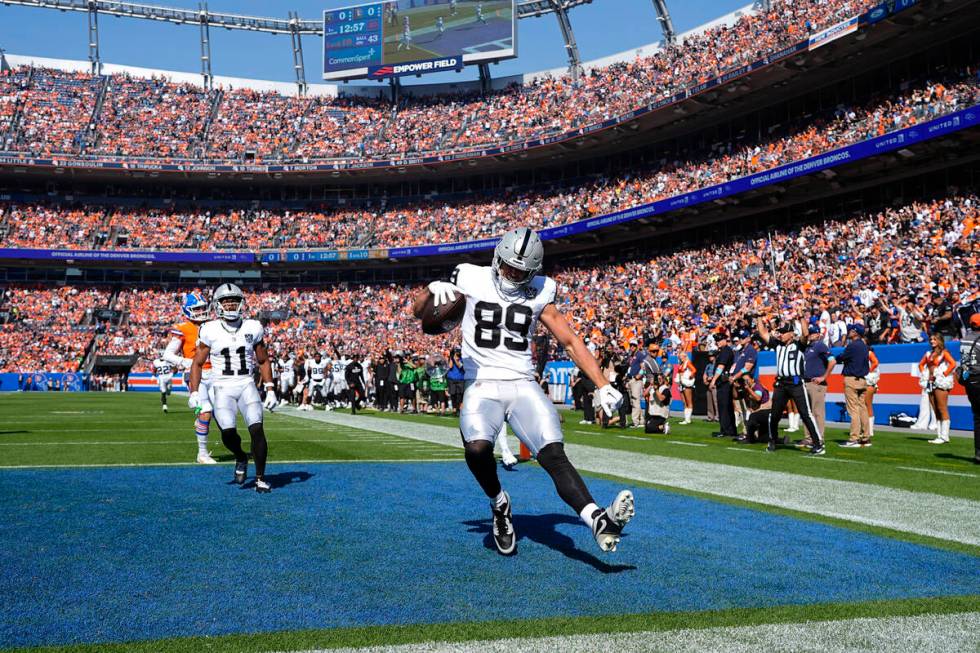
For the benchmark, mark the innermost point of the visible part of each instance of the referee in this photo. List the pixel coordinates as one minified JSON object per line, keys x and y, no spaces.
{"x":789,"y":383}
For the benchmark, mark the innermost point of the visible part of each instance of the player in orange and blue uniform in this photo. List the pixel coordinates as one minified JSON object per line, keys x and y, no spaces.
{"x":180,"y":351}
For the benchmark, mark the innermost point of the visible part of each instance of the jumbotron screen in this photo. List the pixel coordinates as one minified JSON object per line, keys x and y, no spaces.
{"x":409,"y":37}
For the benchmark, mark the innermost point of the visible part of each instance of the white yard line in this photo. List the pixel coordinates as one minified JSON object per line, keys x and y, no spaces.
{"x":388,"y":442}
{"x":272,"y":463}
{"x":945,"y":633}
{"x":686,"y":444}
{"x":938,"y":471}
{"x":921,"y":513}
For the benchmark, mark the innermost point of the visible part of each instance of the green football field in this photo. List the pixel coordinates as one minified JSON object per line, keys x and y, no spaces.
{"x":721,"y":550}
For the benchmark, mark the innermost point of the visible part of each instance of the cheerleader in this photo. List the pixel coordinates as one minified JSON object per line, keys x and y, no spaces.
{"x":872,"y":380}
{"x":685,"y":382}
{"x":939,"y":364}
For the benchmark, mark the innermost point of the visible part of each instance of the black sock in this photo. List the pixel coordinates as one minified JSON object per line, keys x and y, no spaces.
{"x":479,"y":458}
{"x":571,"y":488}
{"x":233,"y":443}
{"x":163,"y":398}
{"x":260,"y":448}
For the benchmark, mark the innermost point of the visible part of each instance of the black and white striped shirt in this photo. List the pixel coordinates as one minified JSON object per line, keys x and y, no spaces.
{"x":789,"y":360}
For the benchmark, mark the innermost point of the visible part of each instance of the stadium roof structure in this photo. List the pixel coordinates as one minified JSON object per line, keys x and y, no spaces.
{"x":292,"y":25}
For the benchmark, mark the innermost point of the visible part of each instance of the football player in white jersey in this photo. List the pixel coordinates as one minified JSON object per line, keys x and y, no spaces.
{"x":287,"y":377}
{"x":338,"y":384}
{"x":317,"y":371}
{"x":504,"y":302}
{"x":235,"y":349}
{"x":164,"y":372}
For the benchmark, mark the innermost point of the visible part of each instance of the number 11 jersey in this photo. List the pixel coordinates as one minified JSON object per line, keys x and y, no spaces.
{"x":497,"y":328}
{"x":232,"y":350}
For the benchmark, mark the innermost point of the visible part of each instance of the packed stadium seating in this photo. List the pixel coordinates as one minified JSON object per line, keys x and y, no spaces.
{"x":152,"y":117}
{"x":47,"y":329}
{"x":432,"y":221}
{"x":58,"y":109}
{"x":837,"y":267}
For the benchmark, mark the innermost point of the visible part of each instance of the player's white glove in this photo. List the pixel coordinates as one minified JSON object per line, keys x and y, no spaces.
{"x":443,"y":292}
{"x":270,"y":397}
{"x":194,"y":400}
{"x":186,"y":363}
{"x":610,"y":399}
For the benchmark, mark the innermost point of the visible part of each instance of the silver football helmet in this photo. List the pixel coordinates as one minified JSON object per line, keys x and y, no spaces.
{"x":517,"y":258}
{"x":227,"y":293}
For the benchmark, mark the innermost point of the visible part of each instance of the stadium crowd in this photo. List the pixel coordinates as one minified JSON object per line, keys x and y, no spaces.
{"x":152,"y":117}
{"x":47,"y":329}
{"x":415,"y":223}
{"x":894,"y":271}
{"x":58,"y":108}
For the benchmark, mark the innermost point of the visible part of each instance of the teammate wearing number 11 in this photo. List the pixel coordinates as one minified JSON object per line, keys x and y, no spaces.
{"x":235,"y":348}
{"x":503,"y":305}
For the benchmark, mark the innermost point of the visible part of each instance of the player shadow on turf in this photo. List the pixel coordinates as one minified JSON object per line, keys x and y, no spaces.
{"x":953,"y":456}
{"x":13,"y":432}
{"x":281,"y":480}
{"x":543,"y":530}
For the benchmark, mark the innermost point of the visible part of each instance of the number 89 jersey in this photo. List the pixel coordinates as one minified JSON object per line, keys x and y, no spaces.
{"x":232,"y":350}
{"x":497,"y":329}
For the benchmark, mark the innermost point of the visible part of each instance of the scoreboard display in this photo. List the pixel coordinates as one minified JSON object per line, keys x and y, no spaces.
{"x":412,"y":37}
{"x":354,"y":36}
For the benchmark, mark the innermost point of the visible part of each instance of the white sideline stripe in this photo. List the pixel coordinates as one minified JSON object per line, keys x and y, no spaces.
{"x":921,"y":513}
{"x":686,"y":444}
{"x":946,"y":633}
{"x":633,"y":437}
{"x":939,"y":471}
{"x":399,"y":443}
{"x":188,"y":428}
{"x":273,"y":463}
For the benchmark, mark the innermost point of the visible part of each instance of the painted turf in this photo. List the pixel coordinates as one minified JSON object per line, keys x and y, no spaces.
{"x":922,"y":513}
{"x":947,"y":633}
{"x":147,"y":553}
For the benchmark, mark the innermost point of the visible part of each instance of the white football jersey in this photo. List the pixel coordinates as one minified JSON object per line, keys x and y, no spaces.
{"x":286,"y":366}
{"x":316,"y":370}
{"x":162,"y":367}
{"x":340,"y":371}
{"x":497,"y":330}
{"x":232,"y":350}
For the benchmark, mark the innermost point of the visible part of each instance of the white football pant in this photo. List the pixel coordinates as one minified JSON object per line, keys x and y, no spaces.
{"x":522,"y":404}
{"x":231,"y":398}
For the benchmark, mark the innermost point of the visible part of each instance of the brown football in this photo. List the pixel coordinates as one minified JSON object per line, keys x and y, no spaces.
{"x":444,"y":318}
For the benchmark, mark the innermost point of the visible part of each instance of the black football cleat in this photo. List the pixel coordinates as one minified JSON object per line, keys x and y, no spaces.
{"x":608,"y":524}
{"x":503,"y":528}
{"x":241,"y":471}
{"x":262,"y":486}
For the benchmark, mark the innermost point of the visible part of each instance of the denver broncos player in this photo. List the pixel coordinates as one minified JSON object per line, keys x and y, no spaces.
{"x":180,"y":352}
{"x":235,"y":348}
{"x":503,"y":305}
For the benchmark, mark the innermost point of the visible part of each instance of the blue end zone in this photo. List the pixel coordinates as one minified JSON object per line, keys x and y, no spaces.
{"x":143,"y":553}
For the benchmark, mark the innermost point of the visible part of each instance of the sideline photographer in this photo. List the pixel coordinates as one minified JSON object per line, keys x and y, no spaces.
{"x":658,"y":405}
{"x":758,"y":403}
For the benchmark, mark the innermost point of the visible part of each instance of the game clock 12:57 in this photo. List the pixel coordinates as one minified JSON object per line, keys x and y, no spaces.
{"x":353,"y":37}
